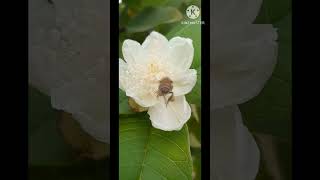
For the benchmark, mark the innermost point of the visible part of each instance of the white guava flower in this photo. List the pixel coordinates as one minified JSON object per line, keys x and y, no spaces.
{"x":157,"y":75}
{"x":242,"y":57}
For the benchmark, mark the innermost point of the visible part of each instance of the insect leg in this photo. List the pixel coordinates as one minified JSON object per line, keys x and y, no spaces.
{"x":165,"y":100}
{"x":171,"y":98}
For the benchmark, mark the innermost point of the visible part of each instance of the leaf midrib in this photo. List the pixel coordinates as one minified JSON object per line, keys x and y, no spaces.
{"x":145,"y":153}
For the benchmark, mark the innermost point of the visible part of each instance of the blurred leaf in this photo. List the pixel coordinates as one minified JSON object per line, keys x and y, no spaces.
{"x":83,"y":145}
{"x":93,"y":170}
{"x":194,"y":127}
{"x":123,"y":18}
{"x":196,"y":157}
{"x":151,"y":17}
{"x":275,"y":157}
{"x":46,"y":146}
{"x":272,"y":11}
{"x":157,"y":3}
{"x":133,"y":4}
{"x":149,"y":153}
{"x":138,"y":5}
{"x":270,"y":111}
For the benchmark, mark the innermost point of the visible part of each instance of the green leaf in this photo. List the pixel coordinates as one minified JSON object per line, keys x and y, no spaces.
{"x":133,"y":4}
{"x":272,"y":11}
{"x":194,"y":127}
{"x":270,"y":112}
{"x":156,"y":3}
{"x":149,"y":153}
{"x":140,"y":4}
{"x":151,"y":17}
{"x":196,"y":157}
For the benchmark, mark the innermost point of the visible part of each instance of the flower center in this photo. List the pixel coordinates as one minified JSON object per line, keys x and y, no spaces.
{"x":155,"y":72}
{"x":153,"y":68}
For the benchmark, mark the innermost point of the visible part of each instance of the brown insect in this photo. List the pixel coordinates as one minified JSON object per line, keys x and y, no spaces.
{"x":165,"y":87}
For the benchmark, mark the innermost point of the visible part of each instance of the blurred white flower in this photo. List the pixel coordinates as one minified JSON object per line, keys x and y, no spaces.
{"x":69,"y":59}
{"x":243,"y":56}
{"x":156,"y":75}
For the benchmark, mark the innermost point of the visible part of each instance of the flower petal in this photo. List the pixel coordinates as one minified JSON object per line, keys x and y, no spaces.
{"x":133,"y":52}
{"x":234,"y":153}
{"x":170,"y":117}
{"x":144,"y":100}
{"x":234,"y":11}
{"x":123,"y":67}
{"x":242,"y":61}
{"x":184,"y":82}
{"x":156,"y":45}
{"x":181,"y":52}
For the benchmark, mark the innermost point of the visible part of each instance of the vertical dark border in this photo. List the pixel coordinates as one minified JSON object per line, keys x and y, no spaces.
{"x":15,"y":92}
{"x":114,"y":89}
{"x":205,"y":90}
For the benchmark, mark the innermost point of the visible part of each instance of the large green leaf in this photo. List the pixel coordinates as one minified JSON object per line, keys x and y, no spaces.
{"x":149,"y":153}
{"x":272,"y":11}
{"x":270,"y":112}
{"x":151,"y":17}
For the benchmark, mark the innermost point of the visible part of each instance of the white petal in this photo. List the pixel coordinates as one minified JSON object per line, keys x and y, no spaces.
{"x":133,"y":52}
{"x":234,"y":11}
{"x":184,"y":82}
{"x":242,"y":61}
{"x":41,"y":45}
{"x":123,"y":67}
{"x":144,"y":100}
{"x":233,"y":152}
{"x":69,"y":54}
{"x":181,"y":52}
{"x":170,"y":117}
{"x":64,"y":45}
{"x":156,"y":45}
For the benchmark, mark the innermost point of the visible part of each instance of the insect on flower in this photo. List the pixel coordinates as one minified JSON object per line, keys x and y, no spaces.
{"x":159,"y":67}
{"x":165,"y":87}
